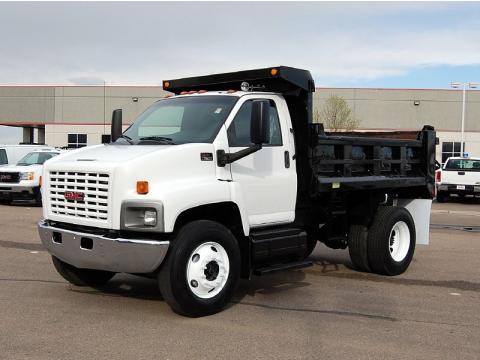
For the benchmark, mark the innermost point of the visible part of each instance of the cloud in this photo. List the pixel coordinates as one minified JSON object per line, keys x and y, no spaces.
{"x":126,"y":43}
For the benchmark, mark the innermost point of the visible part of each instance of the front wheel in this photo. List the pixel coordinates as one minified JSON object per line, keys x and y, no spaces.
{"x":81,"y":277}
{"x":391,"y":241}
{"x":202,"y":269}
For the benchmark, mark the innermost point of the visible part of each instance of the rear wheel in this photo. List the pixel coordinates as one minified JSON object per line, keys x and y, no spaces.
{"x":202,"y":269}
{"x":442,"y":196}
{"x":81,"y":277}
{"x":391,"y":241}
{"x":358,"y":247}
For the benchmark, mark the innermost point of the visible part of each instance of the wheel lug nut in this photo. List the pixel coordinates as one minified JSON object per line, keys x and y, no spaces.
{"x":194,"y":283}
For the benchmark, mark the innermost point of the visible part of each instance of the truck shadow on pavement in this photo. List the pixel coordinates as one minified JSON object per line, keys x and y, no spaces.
{"x":463,"y":200}
{"x":124,"y":285}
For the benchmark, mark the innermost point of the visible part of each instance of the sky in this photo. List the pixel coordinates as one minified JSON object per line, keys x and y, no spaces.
{"x":361,"y":44}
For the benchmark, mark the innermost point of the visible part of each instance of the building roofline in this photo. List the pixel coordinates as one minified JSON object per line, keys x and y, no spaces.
{"x":160,"y":86}
{"x":96,"y":86}
{"x":390,"y":89}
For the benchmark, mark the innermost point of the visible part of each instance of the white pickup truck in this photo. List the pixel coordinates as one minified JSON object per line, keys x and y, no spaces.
{"x":229,"y":178}
{"x":23,"y":180}
{"x":459,"y":176}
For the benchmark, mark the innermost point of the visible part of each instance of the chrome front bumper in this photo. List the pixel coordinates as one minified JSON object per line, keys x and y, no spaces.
{"x":88,"y":251}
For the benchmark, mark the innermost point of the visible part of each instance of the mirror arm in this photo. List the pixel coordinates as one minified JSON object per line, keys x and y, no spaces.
{"x":223,"y":158}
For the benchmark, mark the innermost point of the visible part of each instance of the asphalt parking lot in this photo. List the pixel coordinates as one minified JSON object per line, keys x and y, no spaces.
{"x":328,"y":311}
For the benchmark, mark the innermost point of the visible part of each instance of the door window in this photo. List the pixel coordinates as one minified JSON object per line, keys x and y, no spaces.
{"x":239,"y":130}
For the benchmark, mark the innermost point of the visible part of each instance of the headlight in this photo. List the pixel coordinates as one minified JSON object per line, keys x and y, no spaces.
{"x":141,"y":215}
{"x":150,"y":218}
{"x":27,"y":175}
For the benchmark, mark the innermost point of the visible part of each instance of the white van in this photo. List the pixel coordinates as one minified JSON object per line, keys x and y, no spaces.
{"x":11,"y":154}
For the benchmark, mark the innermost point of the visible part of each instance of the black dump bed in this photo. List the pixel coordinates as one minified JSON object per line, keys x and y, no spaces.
{"x":359,"y":162}
{"x":333,"y":163}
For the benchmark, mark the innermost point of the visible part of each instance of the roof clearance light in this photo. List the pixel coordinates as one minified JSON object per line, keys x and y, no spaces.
{"x":202,"y":91}
{"x":192,"y":92}
{"x":245,"y":86}
{"x":274,"y":72}
{"x":231,"y":91}
{"x":166,"y":84}
{"x":184,"y":93}
{"x":142,"y":187}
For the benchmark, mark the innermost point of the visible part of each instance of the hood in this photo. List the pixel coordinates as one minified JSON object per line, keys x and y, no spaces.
{"x":108,"y":153}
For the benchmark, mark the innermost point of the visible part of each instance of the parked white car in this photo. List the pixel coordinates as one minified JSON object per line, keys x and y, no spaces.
{"x":23,"y":180}
{"x":459,"y":176}
{"x":11,"y":154}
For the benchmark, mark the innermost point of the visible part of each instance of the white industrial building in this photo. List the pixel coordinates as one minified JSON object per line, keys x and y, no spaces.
{"x":76,"y":116}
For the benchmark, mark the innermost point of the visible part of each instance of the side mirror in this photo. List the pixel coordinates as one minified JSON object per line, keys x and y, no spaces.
{"x":116,"y":129}
{"x":259,"y":126}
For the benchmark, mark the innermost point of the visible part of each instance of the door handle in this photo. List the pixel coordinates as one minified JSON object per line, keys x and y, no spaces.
{"x":287,"y":159}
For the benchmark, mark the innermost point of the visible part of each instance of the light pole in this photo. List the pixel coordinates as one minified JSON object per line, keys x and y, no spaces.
{"x":470,"y":85}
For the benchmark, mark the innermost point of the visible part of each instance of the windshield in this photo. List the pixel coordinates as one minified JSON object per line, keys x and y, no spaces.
{"x":35,"y":158}
{"x":191,"y":119}
{"x":463,"y":164}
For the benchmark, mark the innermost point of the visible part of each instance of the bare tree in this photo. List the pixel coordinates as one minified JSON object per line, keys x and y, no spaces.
{"x":336,"y":115}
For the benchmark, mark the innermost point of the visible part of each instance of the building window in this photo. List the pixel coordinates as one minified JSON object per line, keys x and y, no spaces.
{"x":106,"y":139}
{"x":77,"y":141}
{"x":451,"y":148}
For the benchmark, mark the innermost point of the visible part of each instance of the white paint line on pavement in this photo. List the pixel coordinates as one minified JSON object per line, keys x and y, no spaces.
{"x":455,"y":294}
{"x":456,"y":212}
{"x":33,"y":252}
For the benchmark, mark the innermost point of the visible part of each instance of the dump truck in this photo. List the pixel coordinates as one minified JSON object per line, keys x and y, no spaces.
{"x":227,"y":178}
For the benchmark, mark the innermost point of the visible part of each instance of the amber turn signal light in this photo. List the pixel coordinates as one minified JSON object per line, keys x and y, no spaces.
{"x":142,"y":187}
{"x":166,"y":84}
{"x":273,"y":72}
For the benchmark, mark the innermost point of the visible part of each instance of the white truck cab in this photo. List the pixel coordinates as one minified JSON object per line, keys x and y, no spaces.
{"x":229,"y":178}
{"x":459,"y":176}
{"x":23,"y":180}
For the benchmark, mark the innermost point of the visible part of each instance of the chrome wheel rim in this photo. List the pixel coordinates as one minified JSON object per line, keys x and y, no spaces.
{"x":399,"y":241}
{"x":207,"y":270}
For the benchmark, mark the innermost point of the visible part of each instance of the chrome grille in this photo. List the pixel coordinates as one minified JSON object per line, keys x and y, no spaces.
{"x":9,"y":177}
{"x":94,"y":186}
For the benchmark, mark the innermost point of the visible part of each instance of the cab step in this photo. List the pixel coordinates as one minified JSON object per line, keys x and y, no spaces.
{"x":280,"y":267}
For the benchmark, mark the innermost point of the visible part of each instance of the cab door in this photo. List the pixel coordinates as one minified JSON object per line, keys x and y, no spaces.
{"x":266,"y":179}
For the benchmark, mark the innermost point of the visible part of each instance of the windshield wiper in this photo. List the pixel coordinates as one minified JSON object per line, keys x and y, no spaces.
{"x":128,"y":138}
{"x":160,"y":139}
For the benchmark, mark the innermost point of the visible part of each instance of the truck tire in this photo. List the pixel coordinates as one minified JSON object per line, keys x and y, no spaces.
{"x":81,"y":277}
{"x":38,"y":197}
{"x":391,"y":241}
{"x":442,"y":196}
{"x":202,"y":269}
{"x":358,"y":247}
